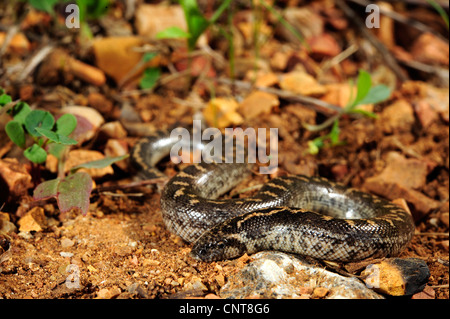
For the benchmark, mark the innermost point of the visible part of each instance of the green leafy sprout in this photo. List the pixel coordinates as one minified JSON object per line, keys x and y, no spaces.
{"x":50,"y":136}
{"x":365,"y":94}
{"x":151,"y":75}
{"x":196,"y":22}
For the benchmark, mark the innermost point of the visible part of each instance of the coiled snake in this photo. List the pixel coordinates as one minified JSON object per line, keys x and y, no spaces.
{"x":298,"y":214}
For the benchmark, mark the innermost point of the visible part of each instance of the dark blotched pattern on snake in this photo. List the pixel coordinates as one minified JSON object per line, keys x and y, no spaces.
{"x":298,"y":214}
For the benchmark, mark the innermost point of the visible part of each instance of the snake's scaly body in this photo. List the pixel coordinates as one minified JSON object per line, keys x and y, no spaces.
{"x":305,"y":215}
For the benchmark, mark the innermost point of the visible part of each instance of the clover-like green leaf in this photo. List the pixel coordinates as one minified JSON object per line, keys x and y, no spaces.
{"x":36,"y":154}
{"x":16,"y":133}
{"x":4,"y":98}
{"x":376,"y":94}
{"x":38,"y":118}
{"x":66,"y":124}
{"x":55,"y":137}
{"x":21,"y":111}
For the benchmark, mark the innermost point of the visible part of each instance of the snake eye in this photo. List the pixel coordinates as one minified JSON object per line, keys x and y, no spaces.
{"x":221,"y":245}
{"x":202,"y":252}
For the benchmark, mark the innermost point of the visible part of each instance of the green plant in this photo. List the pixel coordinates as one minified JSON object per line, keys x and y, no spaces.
{"x":365,"y":94}
{"x":40,"y":126}
{"x":196,"y":22}
{"x":151,"y":75}
{"x":50,"y":136}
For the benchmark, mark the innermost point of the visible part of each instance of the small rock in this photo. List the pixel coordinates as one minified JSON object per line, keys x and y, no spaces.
{"x":257,"y":103}
{"x":421,"y":92}
{"x":444,"y":219}
{"x":408,"y":172}
{"x":92,"y":269}
{"x":197,"y":65}
{"x":266,"y":79}
{"x":198,"y":285}
{"x":444,"y":245}
{"x":33,"y":220}
{"x":221,"y":112}
{"x":320,"y":292}
{"x":397,"y":117}
{"x":279,"y":275}
{"x":136,"y":288}
{"x":323,"y":46}
{"x":429,"y":49}
{"x":18,"y":44}
{"x":396,"y":276}
{"x":427,"y":293}
{"x":305,"y":20}
{"x":16,"y":177}
{"x":153,"y":18}
{"x":88,"y":122}
{"x":91,"y":114}
{"x":438,"y":100}
{"x":115,"y":148}
{"x":108,"y":293}
{"x":301,"y":83}
{"x":400,"y":179}
{"x":109,"y":50}
{"x":220,"y":279}
{"x":279,"y":60}
{"x":305,"y":290}
{"x":425,"y":113}
{"x":99,"y":102}
{"x":7,"y":227}
{"x":113,"y":130}
{"x":66,"y":242}
{"x":66,"y":254}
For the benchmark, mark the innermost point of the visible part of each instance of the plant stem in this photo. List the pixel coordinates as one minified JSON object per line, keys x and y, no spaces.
{"x":62,"y":162}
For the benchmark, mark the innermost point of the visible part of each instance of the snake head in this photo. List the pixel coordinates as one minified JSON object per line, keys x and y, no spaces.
{"x":211,"y":248}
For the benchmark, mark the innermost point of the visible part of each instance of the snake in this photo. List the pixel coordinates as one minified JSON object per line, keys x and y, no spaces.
{"x":304,"y":215}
